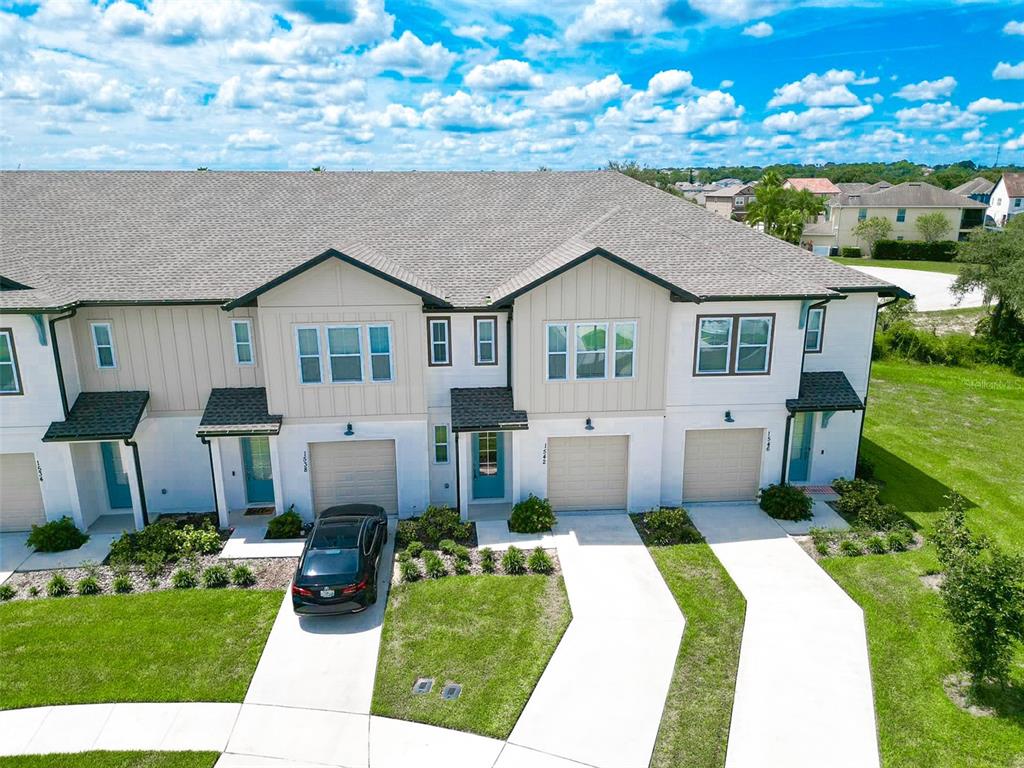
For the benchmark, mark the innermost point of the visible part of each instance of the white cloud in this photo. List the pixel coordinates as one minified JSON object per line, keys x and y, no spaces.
{"x":614,"y":19}
{"x":546,"y":146}
{"x":814,"y":90}
{"x":1014,"y":28}
{"x":738,"y":10}
{"x":943,"y":116}
{"x":972,"y":135}
{"x":412,"y":57}
{"x":761,"y":29}
{"x":1014,"y":144}
{"x":463,"y":112}
{"x":479,"y":32}
{"x":188,"y":21}
{"x":501,"y":74}
{"x":927,"y":90}
{"x":1006,"y":71}
{"x":535,"y":46}
{"x":589,"y":98}
{"x":816,"y":122}
{"x":67,"y":88}
{"x":669,"y":82}
{"x":171,"y":105}
{"x":986,"y":105}
{"x":699,"y":114}
{"x":254,"y":138}
{"x":726,"y":84}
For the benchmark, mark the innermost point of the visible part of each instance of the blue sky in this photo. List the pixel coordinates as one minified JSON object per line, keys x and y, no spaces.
{"x":506,"y":84}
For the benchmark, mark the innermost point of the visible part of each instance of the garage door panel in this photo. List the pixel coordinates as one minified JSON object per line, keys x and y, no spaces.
{"x":354,"y":472}
{"x":587,"y":473}
{"x":722,"y":464}
{"x":21,"y":499}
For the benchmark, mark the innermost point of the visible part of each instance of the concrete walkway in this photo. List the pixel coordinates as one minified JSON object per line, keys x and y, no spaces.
{"x":13,"y":552}
{"x":248,"y":540}
{"x":803,"y":690}
{"x":931,"y":289}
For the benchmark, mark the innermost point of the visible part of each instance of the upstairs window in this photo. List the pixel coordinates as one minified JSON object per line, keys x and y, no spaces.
{"x":901,"y":214}
{"x":862,"y":214}
{"x":103,"y":343}
{"x":558,"y":352}
{"x":485,"y":336}
{"x":345,"y":353}
{"x":308,"y":344}
{"x":625,"y":339}
{"x":242,"y":330}
{"x":815,"y":328}
{"x":591,"y":350}
{"x":439,"y":331}
{"x":753,"y":352}
{"x":10,"y":377}
{"x":380,"y":353}
{"x":713,"y":339}
{"x":733,"y":344}
{"x":441,"y":444}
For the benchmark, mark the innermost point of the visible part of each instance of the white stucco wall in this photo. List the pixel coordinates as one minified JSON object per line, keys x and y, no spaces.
{"x":40,"y":402}
{"x":463,"y":372}
{"x":849,"y":334}
{"x":173,"y":460}
{"x":834,"y":448}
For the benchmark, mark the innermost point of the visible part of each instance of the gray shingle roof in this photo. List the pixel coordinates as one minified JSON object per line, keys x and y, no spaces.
{"x":100,"y":416}
{"x":216,"y":236}
{"x":475,"y":408}
{"x":825,"y":391}
{"x":976,"y":186}
{"x":238,"y":411}
{"x":907,"y":195}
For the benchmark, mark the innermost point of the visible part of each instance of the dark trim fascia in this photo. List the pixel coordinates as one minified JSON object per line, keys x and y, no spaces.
{"x":763,"y":297}
{"x":517,"y":426}
{"x":673,"y":290}
{"x":75,"y":305}
{"x":89,"y":438}
{"x":894,"y":291}
{"x":202,"y":434}
{"x":330,"y":253}
{"x":824,"y":408}
{"x":7,"y":284}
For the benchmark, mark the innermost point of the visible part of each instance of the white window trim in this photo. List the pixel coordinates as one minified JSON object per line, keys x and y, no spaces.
{"x":447,"y":444}
{"x":577,"y":352}
{"x":319,"y":356}
{"x":820,"y":329}
{"x":447,"y":342}
{"x":96,"y":345}
{"x":613,"y":342}
{"x":478,"y":358}
{"x":767,"y":345}
{"x":327,"y":348}
{"x":567,"y":352}
{"x":19,"y":388}
{"x":728,"y":346}
{"x":234,"y":339}
{"x":370,"y":353}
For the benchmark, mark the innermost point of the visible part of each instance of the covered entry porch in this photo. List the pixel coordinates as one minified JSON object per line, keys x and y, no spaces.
{"x":821,"y":429}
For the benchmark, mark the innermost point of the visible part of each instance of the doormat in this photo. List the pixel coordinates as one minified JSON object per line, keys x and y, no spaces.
{"x":259,"y":511}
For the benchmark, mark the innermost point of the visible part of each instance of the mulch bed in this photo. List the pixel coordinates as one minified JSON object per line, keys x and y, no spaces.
{"x":474,"y":567}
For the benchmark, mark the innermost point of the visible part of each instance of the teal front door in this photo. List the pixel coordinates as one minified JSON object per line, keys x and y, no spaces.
{"x":800,"y":455}
{"x":488,"y":465}
{"x":118,"y":491}
{"x":259,"y":480}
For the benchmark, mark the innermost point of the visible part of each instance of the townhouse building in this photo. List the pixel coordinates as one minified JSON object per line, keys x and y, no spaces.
{"x":185,"y":342}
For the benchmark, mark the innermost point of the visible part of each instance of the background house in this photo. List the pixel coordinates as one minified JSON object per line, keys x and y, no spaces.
{"x":731,"y":202}
{"x":1007,"y":198}
{"x":979,"y":189}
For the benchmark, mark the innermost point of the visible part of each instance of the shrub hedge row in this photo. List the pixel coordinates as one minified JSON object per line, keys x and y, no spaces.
{"x":915,"y":250}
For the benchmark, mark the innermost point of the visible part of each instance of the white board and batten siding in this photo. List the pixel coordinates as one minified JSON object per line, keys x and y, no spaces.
{"x":588,"y":473}
{"x":354,"y":472}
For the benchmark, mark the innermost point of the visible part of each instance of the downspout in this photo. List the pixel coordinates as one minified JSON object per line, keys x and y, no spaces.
{"x":458,"y":477}
{"x":213,"y":476}
{"x":56,"y":359}
{"x":867,"y":387}
{"x":789,"y":416}
{"x":508,"y":348}
{"x":138,"y":476}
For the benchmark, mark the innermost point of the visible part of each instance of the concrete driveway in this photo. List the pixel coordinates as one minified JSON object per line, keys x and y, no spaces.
{"x":13,"y":552}
{"x":803,"y":689}
{"x":931,"y":289}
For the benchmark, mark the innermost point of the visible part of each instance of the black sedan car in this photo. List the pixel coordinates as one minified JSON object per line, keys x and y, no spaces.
{"x":337,"y":572}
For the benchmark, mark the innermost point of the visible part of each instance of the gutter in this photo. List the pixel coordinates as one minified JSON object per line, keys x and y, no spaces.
{"x":56,"y":359}
{"x":508,"y":348}
{"x":213,"y":475}
{"x":138,"y":476}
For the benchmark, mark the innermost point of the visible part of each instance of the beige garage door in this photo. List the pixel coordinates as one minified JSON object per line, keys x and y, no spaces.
{"x":721,"y":464}
{"x":587,"y":473}
{"x":21,"y":500}
{"x":354,"y":472}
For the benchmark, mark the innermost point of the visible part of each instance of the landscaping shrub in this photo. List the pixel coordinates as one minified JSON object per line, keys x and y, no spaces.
{"x":409,"y":570}
{"x":876,"y":545}
{"x":667,"y":526}
{"x":858,"y":501}
{"x":951,"y":535}
{"x":183,"y":578}
{"x":488,"y":560}
{"x":56,"y":536}
{"x":159,"y":537}
{"x":849,"y":548}
{"x":434,"y":565}
{"x":58,"y":586}
{"x":216,"y":577}
{"x":447,"y":546}
{"x":540,"y":561}
{"x":513,"y":562}
{"x":438,"y":523}
{"x":822,"y":540}
{"x":850,"y":252}
{"x":153,"y":563}
{"x":153,"y":583}
{"x":786,"y":502}
{"x":461,"y":566}
{"x":33,"y":591}
{"x":403,"y":556}
{"x":242,"y":576}
{"x":285,"y":526}
{"x":405,"y":533}
{"x":88,"y":585}
{"x":532,"y":515}
{"x":7,"y":592}
{"x":915,"y":250}
{"x":899,"y":539}
{"x":415,"y":548}
{"x":197,"y":541}
{"x":122,"y":584}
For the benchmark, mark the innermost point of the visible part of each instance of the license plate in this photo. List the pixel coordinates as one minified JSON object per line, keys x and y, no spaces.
{"x":326,"y":593}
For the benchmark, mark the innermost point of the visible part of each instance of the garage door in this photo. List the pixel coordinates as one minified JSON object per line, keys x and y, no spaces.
{"x":21,"y":500}
{"x":587,"y":473}
{"x":354,"y":472}
{"x":721,"y":464}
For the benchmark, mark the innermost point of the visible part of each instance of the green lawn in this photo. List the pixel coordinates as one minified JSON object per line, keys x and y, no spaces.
{"x":695,"y":723}
{"x":114,"y":760}
{"x":491,"y":634}
{"x":949,"y":267}
{"x":931,"y":429}
{"x":159,"y":646}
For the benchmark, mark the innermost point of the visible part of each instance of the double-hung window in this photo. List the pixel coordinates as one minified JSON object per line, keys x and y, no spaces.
{"x":862,"y":214}
{"x":558,"y":351}
{"x":380,"y":353}
{"x":901,"y":214}
{"x":734,"y":344}
{"x":714,"y":339}
{"x":625,"y":348}
{"x":591,"y":350}
{"x":440,"y":444}
{"x":242,"y":331}
{"x":10,"y":377}
{"x":815,"y":328}
{"x":439,"y":332}
{"x":103,"y":344}
{"x":345,"y":353}
{"x":308,"y":344}
{"x":486,"y":337}
{"x":753,"y":350}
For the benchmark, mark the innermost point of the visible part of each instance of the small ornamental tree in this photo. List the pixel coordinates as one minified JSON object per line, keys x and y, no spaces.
{"x":870,"y":231}
{"x":933,"y":226}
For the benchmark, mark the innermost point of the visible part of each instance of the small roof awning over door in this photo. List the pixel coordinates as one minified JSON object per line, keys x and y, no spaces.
{"x":825,"y":391}
{"x":238,"y":411}
{"x":100,"y":416}
{"x":476,"y":409}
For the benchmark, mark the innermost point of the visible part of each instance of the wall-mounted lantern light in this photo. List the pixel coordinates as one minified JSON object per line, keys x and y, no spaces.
{"x":348,"y":430}
{"x":590,"y":425}
{"x":728,"y":417}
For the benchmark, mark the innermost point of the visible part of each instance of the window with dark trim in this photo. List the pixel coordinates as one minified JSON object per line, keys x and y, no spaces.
{"x":733,"y":345}
{"x":439,"y":341}
{"x":10,"y":376}
{"x":485,"y":340}
{"x":815,"y":330}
